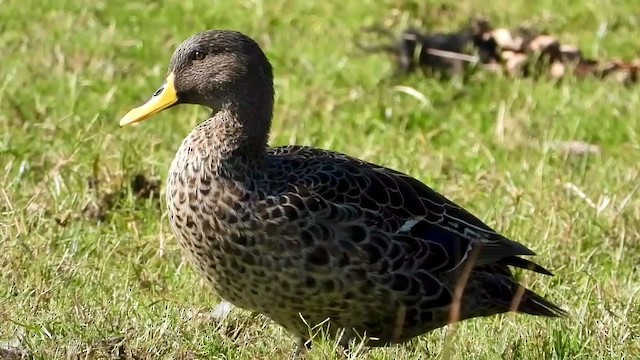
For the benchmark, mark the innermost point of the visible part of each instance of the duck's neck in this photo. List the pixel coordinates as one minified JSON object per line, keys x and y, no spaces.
{"x":228,"y":140}
{"x":247,"y":126}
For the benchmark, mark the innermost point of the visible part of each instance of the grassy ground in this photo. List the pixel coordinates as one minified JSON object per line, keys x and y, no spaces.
{"x":90,"y":269}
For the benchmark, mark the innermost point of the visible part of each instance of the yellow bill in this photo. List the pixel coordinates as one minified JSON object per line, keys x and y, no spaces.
{"x":164,"y":98}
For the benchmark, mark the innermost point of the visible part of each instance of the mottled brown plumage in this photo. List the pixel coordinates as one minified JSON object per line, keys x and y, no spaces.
{"x":297,"y":232}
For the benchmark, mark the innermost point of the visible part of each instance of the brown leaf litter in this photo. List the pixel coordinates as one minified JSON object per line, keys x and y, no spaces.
{"x":519,"y":52}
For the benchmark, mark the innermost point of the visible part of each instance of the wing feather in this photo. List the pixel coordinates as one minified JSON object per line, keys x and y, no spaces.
{"x":403,"y":208}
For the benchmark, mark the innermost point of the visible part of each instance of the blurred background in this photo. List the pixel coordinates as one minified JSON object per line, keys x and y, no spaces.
{"x":90,"y":269}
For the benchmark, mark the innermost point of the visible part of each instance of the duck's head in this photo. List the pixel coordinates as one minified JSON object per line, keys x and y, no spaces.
{"x":220,"y":69}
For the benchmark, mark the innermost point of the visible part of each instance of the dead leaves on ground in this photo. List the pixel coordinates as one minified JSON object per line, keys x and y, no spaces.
{"x":518,"y":52}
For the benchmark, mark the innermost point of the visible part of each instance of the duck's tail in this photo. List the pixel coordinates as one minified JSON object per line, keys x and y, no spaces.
{"x":499,"y":293}
{"x":534,"y":304}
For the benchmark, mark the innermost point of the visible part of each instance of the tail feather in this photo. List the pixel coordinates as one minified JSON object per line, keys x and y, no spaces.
{"x":498,"y":293}
{"x":525,"y":264}
{"x":534,"y":304}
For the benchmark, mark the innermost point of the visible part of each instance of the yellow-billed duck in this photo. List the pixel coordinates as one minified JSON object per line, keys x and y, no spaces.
{"x":297,"y":232}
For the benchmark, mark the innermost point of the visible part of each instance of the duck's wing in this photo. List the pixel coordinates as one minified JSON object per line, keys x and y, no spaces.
{"x":394,"y":211}
{"x":386,"y":236}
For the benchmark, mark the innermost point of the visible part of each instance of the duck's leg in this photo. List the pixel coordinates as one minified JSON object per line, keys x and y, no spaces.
{"x":352,"y":349}
{"x":302,"y":346}
{"x":221,"y":311}
{"x":349,"y":352}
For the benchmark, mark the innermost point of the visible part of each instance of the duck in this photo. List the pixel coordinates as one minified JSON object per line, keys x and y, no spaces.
{"x":313,"y":237}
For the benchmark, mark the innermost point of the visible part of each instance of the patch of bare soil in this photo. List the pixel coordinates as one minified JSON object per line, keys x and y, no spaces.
{"x":106,"y":197}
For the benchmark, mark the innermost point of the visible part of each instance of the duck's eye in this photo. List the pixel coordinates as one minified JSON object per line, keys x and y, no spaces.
{"x":198,"y":55}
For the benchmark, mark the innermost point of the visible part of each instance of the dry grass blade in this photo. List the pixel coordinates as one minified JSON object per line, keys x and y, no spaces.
{"x":454,"y":314}
{"x":414,"y":93}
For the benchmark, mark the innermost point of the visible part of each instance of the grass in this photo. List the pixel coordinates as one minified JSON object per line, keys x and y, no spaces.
{"x":72,"y":286}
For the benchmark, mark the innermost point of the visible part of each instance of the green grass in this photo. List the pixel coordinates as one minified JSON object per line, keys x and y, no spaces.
{"x":75,"y":287}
